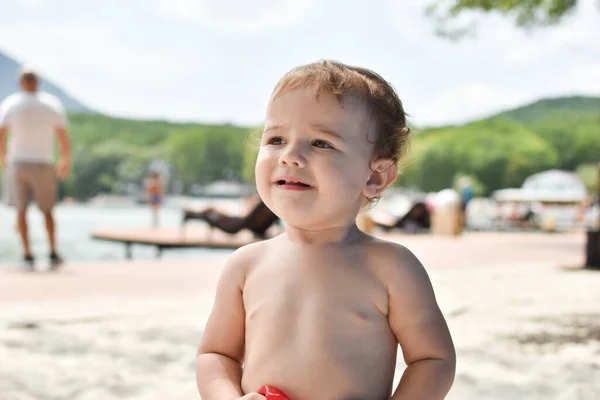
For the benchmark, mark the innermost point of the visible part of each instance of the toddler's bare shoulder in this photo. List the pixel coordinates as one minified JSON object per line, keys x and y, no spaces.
{"x":241,"y":262}
{"x":393,"y":262}
{"x":249,"y":255}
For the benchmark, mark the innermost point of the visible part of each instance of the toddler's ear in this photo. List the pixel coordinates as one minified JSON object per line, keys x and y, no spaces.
{"x":383,"y":174}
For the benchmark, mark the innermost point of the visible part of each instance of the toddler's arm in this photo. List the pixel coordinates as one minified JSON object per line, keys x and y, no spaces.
{"x":421,"y":330}
{"x":221,"y":352}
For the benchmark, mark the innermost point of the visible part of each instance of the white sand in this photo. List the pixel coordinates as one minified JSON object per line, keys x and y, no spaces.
{"x":102,"y":349}
{"x":521,"y":331}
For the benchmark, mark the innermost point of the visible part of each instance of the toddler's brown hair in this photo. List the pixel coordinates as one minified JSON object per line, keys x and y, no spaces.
{"x":379,"y":96}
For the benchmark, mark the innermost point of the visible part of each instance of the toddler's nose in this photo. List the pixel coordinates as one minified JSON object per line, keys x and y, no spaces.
{"x":292,"y":157}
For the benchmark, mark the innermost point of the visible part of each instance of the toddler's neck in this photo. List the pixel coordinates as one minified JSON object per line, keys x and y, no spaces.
{"x":330,"y":235}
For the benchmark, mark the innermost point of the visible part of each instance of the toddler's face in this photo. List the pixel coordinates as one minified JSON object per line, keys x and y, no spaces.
{"x":314,"y":159}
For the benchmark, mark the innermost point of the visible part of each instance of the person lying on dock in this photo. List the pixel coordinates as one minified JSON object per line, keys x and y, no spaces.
{"x":258,"y":220}
{"x":416,"y":220}
{"x":318,"y":312}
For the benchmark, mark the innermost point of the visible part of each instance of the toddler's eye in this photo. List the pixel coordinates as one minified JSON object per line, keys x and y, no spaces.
{"x":322,"y":144}
{"x":275,"y":141}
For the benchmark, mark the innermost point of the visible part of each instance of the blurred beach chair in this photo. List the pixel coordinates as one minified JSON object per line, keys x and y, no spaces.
{"x":258,"y":220}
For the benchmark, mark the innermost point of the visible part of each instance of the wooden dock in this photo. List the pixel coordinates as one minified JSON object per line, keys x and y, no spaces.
{"x":174,"y":238}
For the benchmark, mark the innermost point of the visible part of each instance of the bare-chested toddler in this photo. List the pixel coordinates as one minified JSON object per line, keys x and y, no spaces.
{"x":318,"y":312}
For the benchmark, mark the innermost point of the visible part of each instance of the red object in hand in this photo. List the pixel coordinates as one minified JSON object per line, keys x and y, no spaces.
{"x":272,"y":393}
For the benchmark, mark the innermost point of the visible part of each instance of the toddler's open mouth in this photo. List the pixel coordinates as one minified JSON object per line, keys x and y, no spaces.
{"x":292,"y":184}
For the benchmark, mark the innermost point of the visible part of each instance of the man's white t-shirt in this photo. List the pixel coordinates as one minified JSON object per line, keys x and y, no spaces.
{"x":31,"y":119}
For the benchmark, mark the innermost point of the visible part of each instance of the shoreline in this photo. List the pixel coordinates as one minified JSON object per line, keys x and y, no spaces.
{"x":507,"y":247}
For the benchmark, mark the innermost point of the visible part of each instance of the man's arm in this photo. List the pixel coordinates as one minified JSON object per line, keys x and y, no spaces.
{"x":221,"y":352}
{"x":3,"y":135}
{"x":64,"y":151}
{"x":421,"y":330}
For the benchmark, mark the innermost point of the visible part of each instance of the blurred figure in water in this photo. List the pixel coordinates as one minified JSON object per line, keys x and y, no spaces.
{"x":154,"y":192}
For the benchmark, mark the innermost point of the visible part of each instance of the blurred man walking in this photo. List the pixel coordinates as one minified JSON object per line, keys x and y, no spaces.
{"x":31,"y":119}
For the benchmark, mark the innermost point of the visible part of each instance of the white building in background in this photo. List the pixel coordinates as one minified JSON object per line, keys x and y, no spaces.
{"x":555,"y":197}
{"x":554,"y":186}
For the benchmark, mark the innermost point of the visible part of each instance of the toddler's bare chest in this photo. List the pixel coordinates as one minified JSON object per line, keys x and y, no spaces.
{"x":323,"y":290}
{"x":321,"y":323}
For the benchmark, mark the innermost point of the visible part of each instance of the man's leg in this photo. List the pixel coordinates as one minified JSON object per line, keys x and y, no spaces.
{"x":49,"y":221}
{"x":55,"y":260}
{"x":45,"y":187}
{"x":23,"y":231}
{"x":18,"y":190}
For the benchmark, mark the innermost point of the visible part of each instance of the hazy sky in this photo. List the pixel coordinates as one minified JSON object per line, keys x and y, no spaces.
{"x":218,"y":60}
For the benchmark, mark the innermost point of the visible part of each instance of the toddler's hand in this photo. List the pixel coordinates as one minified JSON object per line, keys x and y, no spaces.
{"x":252,"y":396}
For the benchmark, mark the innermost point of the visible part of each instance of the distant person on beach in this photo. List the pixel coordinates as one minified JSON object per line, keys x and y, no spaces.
{"x":466,"y":195}
{"x":318,"y":312}
{"x":154,"y":192}
{"x":32,"y":119}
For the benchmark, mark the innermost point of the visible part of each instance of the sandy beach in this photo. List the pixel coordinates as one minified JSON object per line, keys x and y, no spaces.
{"x":524,"y":317}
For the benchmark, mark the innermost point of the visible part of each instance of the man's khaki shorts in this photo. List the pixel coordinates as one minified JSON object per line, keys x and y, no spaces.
{"x":26,"y":181}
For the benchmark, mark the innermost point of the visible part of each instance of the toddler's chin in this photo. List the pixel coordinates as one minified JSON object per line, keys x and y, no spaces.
{"x":298,"y":220}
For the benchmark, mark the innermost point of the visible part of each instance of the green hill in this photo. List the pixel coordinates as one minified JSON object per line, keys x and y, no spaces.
{"x":497,"y":152}
{"x":570,"y":124}
{"x":543,"y":108}
{"x":501,"y":151}
{"x":96,"y":128}
{"x":113,"y":154}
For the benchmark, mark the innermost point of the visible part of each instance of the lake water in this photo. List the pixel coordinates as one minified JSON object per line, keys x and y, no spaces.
{"x":74,"y":223}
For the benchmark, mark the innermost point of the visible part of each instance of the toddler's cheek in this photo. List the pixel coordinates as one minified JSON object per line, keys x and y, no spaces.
{"x":262,"y":176}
